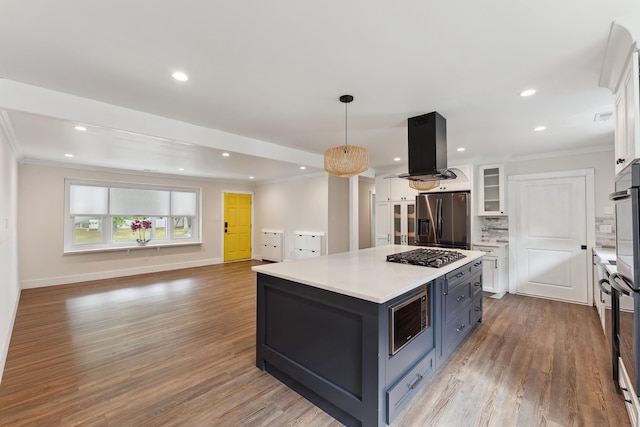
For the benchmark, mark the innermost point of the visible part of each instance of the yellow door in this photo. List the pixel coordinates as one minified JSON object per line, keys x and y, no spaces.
{"x":237,"y":226}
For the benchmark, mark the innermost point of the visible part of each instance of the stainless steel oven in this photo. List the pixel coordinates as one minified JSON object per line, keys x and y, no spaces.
{"x":407,"y":319}
{"x":625,"y":283}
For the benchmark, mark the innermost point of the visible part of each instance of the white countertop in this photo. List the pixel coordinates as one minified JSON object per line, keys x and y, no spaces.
{"x":363,"y":274}
{"x":605,"y":254}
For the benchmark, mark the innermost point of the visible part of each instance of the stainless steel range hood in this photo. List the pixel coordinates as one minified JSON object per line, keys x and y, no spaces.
{"x":427,"y":148}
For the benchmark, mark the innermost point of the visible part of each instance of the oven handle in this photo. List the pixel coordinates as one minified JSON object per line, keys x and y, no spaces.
{"x":619,"y":195}
{"x":618,"y":286}
{"x":601,"y":283}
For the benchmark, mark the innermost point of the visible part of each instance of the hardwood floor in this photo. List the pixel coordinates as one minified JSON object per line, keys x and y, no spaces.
{"x":177,"y":349}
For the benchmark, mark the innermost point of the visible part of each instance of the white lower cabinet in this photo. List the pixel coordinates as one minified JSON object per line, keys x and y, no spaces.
{"x":495,"y":271}
{"x":271,"y":245}
{"x":403,"y":223}
{"x":383,"y":223}
{"x":395,"y":223}
{"x":307,"y":244}
{"x":628,"y":394}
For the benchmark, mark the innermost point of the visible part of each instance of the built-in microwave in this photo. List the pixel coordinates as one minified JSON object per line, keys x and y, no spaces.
{"x":407,"y":319}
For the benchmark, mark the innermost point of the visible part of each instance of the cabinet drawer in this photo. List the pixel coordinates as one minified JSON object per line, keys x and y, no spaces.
{"x":476,"y":284}
{"x":457,"y":276}
{"x":401,"y":392}
{"x":459,"y":296}
{"x":456,"y":329}
{"x":476,"y":309}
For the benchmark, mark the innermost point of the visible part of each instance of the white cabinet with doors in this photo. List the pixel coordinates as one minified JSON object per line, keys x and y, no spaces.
{"x":627,"y":112}
{"x":271,"y":245}
{"x":307,"y":244}
{"x":495,"y":271}
{"x":395,"y":223}
{"x":403,"y":223}
{"x":383,"y":223}
{"x":394,"y":189}
{"x":491,"y":188}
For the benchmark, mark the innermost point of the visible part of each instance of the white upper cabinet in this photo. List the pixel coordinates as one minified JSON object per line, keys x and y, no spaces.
{"x":491,"y":201}
{"x":627,"y":148}
{"x":394,"y":189}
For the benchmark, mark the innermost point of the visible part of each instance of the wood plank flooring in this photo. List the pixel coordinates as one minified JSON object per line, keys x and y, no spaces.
{"x":177,"y":349}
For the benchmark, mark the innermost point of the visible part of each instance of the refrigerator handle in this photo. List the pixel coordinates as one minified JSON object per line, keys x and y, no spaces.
{"x":439,"y":208}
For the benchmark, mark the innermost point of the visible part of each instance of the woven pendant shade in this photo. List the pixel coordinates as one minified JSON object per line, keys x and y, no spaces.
{"x":424,"y":185}
{"x":346,"y":160}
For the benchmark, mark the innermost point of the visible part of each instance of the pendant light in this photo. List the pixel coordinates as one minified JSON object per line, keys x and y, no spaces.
{"x":424,"y":185}
{"x":346,"y":160}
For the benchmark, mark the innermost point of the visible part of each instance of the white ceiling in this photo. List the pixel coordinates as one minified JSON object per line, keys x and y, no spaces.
{"x":265,"y":78}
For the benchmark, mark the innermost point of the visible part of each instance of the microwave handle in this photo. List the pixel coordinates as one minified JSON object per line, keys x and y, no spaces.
{"x":619,"y":195}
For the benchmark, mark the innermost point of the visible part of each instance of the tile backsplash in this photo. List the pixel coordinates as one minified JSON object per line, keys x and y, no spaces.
{"x":606,"y":232}
{"x":495,"y":227}
{"x":498,"y":228}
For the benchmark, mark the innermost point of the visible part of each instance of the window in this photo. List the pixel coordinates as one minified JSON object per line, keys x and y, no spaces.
{"x":99,"y":215}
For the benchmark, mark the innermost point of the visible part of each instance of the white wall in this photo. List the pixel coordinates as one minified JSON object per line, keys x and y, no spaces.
{"x":40,"y":241}
{"x":366,"y":187}
{"x":338,"y":207}
{"x":9,"y":286}
{"x":298,"y":204}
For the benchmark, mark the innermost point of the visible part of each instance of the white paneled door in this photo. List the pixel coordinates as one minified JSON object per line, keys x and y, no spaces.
{"x":551,"y":238}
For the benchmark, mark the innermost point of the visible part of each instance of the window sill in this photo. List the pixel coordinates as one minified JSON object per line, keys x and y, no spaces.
{"x":133,"y":247}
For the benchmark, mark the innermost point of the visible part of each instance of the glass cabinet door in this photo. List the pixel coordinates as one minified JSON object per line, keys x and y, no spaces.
{"x":411,"y":224}
{"x":403,"y":222}
{"x":397,"y":224}
{"x":491,"y":191}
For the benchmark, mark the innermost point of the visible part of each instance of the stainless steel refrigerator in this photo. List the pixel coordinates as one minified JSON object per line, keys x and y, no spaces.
{"x":444,"y":219}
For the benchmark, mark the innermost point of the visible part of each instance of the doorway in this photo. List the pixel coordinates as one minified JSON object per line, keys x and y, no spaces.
{"x":237,"y":226}
{"x":549,"y":237}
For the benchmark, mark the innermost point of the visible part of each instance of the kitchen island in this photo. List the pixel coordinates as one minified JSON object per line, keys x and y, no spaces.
{"x":323,"y":327}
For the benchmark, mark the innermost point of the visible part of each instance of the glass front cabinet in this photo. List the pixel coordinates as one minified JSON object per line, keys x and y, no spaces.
{"x":404,"y":223}
{"x":491,"y":201}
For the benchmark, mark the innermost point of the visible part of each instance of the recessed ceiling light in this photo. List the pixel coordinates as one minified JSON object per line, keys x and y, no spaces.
{"x":250,"y":177}
{"x":460,"y":149}
{"x":68,"y":155}
{"x":527,"y":92}
{"x":80,"y":128}
{"x":396,"y":159}
{"x":303,"y":167}
{"x":539,"y":128}
{"x":225,"y":154}
{"x":180,"y":76}
{"x":180,"y":169}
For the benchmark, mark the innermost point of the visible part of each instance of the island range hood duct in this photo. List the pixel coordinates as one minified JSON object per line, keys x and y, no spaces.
{"x":427,"y":148}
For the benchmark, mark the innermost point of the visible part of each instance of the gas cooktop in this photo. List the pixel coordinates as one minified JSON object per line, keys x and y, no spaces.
{"x":427,"y":257}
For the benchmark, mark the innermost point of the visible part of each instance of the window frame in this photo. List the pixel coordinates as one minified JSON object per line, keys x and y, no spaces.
{"x":107,"y":243}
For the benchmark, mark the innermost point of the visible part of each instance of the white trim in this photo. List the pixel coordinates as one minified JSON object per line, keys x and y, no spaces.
{"x":46,"y":102}
{"x":7,"y":127}
{"x":589,"y":176}
{"x":4,"y":351}
{"x":65,"y":280}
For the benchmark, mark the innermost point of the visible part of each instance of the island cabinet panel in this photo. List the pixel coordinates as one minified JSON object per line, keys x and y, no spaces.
{"x":459,"y":308}
{"x":336,"y":351}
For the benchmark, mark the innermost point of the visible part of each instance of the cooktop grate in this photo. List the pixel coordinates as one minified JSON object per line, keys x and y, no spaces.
{"x":426,"y":257}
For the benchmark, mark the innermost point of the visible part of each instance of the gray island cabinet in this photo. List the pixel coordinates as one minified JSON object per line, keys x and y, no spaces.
{"x":324,"y":328}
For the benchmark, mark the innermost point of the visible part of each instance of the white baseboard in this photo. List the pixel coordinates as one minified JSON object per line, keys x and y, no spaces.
{"x":4,"y":350}
{"x":65,"y":280}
